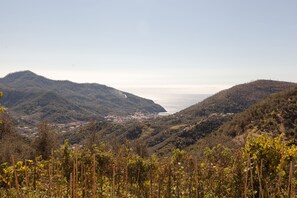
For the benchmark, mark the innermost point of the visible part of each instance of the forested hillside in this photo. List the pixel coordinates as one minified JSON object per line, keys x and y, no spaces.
{"x":186,"y":127}
{"x":234,"y":100}
{"x":36,"y":98}
{"x":275,"y":115}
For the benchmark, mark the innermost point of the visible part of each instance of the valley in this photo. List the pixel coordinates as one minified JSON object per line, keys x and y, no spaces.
{"x":215,"y":135}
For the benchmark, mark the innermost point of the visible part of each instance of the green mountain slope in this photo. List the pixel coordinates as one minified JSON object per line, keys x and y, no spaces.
{"x":186,"y":127}
{"x":235,"y":99}
{"x":274,"y":115}
{"x":37,"y":97}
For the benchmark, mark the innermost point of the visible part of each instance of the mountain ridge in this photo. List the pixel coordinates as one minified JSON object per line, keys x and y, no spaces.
{"x":184,"y":128}
{"x":276,"y":114}
{"x":241,"y":96}
{"x":94,"y":100}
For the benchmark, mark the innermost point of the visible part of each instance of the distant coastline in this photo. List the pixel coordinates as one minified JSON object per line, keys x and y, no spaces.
{"x":172,"y":99}
{"x":177,"y":102}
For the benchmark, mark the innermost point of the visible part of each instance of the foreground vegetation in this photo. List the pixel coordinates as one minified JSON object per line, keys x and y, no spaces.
{"x":265,"y":167}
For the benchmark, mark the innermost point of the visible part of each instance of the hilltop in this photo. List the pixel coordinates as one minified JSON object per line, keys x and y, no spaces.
{"x":196,"y":122}
{"x":274,"y":115}
{"x":33,"y":97}
{"x":234,"y":100}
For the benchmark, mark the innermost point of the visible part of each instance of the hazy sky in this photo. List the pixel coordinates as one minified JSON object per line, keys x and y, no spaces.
{"x":203,"y":45}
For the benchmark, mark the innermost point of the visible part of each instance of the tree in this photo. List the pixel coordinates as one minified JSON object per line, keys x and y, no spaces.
{"x":46,"y":141}
{"x":1,"y":107}
{"x":6,"y":126}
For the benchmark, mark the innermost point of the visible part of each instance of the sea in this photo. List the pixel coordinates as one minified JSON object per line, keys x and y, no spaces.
{"x":177,"y":102}
{"x":173,"y":100}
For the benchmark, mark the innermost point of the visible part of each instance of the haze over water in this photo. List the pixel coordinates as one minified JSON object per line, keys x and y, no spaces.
{"x":172,"y":99}
{"x":177,"y":102}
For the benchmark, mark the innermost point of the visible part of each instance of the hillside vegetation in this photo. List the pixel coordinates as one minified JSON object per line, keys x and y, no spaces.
{"x":275,"y":115}
{"x":186,"y":127}
{"x":264,"y":168}
{"x":234,"y":100}
{"x":34,"y":97}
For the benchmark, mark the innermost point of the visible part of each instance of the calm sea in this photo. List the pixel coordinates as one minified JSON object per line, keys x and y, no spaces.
{"x":176,"y":102}
{"x":173,"y":100}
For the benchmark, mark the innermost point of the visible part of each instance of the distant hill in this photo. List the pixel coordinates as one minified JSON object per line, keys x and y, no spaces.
{"x":187,"y":126}
{"x":274,"y":115}
{"x":35,"y":97}
{"x":235,"y":99}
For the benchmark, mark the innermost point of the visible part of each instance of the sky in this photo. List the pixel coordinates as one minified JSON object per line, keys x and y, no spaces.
{"x":194,"y":46}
